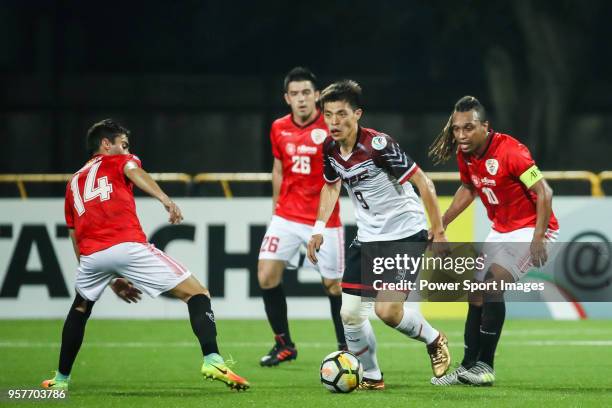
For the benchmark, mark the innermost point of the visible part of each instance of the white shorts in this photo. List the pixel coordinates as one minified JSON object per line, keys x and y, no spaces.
{"x":148,"y":268}
{"x":284,"y":238}
{"x":511,"y":251}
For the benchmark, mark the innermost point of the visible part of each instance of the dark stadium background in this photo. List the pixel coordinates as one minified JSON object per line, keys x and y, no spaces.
{"x":199,"y":83}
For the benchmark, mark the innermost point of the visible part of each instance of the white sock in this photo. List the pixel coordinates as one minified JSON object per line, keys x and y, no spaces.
{"x":415,"y":326}
{"x":361,"y":341}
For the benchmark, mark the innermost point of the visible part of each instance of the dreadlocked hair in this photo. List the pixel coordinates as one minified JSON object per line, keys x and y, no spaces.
{"x":444,"y":145}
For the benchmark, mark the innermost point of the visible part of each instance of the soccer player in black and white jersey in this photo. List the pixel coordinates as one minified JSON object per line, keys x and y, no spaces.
{"x":375,"y":170}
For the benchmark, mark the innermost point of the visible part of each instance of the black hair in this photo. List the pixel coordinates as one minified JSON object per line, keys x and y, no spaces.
{"x":444,"y":145}
{"x":468,"y":103}
{"x":105,"y":129}
{"x":346,"y":90}
{"x":300,"y":74}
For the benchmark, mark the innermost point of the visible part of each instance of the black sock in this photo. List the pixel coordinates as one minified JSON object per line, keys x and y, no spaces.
{"x":471,"y":335}
{"x":493,"y":316}
{"x":275,"y":304}
{"x":72,"y":334}
{"x":335,"y":303}
{"x":203,"y":323}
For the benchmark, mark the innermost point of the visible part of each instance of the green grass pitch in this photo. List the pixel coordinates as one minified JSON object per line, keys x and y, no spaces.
{"x":156,"y":364}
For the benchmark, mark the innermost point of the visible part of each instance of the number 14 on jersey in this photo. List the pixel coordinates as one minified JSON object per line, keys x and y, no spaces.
{"x":103,"y":189}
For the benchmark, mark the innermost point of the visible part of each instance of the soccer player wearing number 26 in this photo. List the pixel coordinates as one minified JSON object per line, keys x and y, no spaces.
{"x":500,"y":170}
{"x":297,"y":177}
{"x":375,"y":171}
{"x":108,"y":241}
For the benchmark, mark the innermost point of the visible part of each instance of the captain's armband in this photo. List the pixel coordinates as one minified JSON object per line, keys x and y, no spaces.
{"x":531,"y":176}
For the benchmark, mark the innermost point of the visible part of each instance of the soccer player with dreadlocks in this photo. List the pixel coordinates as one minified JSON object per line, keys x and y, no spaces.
{"x":500,"y":170}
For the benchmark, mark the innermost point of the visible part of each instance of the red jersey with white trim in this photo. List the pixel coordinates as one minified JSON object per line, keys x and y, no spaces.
{"x":100,"y":204}
{"x":300,"y":150}
{"x":497,"y":175}
{"x":375,"y":175}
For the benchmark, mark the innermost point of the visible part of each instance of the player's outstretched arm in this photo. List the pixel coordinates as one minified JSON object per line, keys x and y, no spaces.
{"x":143,"y":180}
{"x":543,"y":211}
{"x":277,"y":180}
{"x":464,"y":196}
{"x":430,"y":201}
{"x":327,"y":201}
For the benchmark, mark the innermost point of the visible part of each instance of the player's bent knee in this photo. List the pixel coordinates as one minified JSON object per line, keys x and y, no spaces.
{"x":335,"y":290}
{"x":475,"y":298}
{"x":269,"y":273}
{"x":332,"y":287}
{"x":266,"y":281}
{"x":477,"y":303}
{"x":389,"y":313}
{"x":82,"y":305}
{"x":189,"y":288}
{"x":496,"y":275}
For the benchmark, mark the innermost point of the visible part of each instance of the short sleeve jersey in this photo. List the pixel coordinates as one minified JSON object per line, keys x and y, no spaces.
{"x":502,"y":176}
{"x":375,"y":175}
{"x":299,"y":148}
{"x":100,"y":205}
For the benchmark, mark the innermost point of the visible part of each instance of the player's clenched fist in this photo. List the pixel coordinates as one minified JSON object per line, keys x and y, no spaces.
{"x":313,"y":247}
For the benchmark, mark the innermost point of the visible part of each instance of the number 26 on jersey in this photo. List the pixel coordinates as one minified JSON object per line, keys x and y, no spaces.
{"x":301,"y":164}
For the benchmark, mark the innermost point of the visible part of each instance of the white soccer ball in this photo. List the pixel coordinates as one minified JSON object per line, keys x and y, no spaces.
{"x":341,"y":371}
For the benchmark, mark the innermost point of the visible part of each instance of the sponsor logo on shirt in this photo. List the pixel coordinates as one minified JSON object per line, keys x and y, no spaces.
{"x":303,"y":149}
{"x":318,"y":135}
{"x":379,"y":142}
{"x":285,"y":133}
{"x":351,"y":181}
{"x":488,"y":182}
{"x":492,"y":166}
{"x":290,"y":149}
{"x":475,"y":181}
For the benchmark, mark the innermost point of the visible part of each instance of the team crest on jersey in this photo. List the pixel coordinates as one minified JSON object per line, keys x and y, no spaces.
{"x":492,"y":166}
{"x":290,"y":149}
{"x":475,"y":181}
{"x":379,"y":142}
{"x":318,"y":135}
